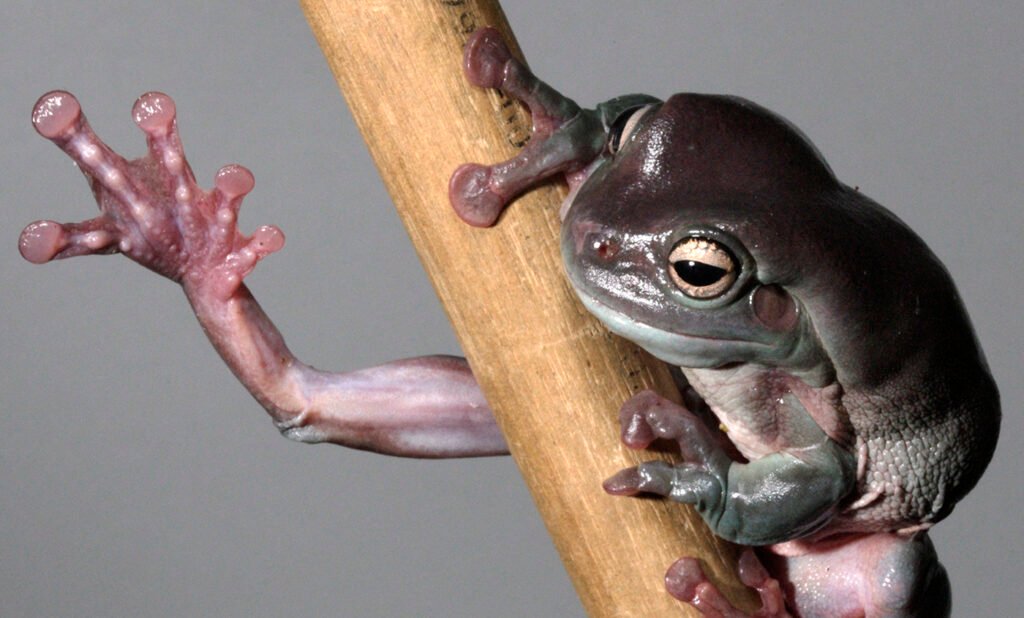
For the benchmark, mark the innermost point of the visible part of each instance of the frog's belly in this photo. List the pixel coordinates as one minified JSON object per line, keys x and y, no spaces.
{"x":766,"y":411}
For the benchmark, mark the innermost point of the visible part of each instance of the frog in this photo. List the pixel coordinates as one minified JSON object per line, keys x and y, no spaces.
{"x":836,"y":402}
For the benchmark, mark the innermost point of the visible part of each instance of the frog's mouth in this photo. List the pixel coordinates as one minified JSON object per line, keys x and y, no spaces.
{"x":673,"y":347}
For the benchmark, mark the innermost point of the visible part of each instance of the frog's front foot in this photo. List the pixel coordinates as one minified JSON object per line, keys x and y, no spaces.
{"x":685,"y":580}
{"x":151,"y":208}
{"x":699,"y":480}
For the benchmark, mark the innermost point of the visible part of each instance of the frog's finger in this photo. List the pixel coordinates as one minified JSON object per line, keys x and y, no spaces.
{"x":635,"y":431}
{"x":682,"y":483}
{"x":479,"y":193}
{"x":686,"y":581}
{"x":42,"y":241}
{"x":653,"y":477}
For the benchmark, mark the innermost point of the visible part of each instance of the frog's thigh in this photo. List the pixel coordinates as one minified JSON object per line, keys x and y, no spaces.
{"x":880,"y":574}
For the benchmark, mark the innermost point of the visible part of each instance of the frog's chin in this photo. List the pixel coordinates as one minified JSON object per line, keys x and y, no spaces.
{"x":680,"y":349}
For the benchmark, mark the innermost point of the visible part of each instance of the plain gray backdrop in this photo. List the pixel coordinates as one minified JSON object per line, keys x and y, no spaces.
{"x":137,"y":478}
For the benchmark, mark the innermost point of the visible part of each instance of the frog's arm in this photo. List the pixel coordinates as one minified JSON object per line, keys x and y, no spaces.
{"x":153,"y":211}
{"x":778,"y":497}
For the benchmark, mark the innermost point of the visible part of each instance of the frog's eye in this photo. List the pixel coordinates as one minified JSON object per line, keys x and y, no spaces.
{"x":702,"y":268}
{"x":623,"y":126}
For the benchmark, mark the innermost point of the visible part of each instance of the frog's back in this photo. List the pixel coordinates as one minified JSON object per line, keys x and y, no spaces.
{"x":922,"y":443}
{"x":922,"y":402}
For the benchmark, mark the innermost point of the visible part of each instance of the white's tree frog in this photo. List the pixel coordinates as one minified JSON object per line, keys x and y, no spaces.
{"x":837,"y":403}
{"x":851,"y":405}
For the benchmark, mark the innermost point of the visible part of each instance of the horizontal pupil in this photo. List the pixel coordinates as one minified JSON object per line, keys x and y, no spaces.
{"x":698,"y":273}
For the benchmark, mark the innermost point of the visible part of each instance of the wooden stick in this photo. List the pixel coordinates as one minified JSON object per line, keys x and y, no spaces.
{"x":554,"y":376}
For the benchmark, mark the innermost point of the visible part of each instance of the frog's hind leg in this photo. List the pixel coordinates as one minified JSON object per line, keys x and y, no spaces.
{"x":565,"y":137}
{"x":427,"y":407}
{"x":883,"y":575}
{"x":152,"y":211}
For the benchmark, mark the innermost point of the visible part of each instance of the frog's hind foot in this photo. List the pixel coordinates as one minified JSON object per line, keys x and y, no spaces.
{"x":151,"y":208}
{"x":686,"y":581}
{"x":564,"y":137}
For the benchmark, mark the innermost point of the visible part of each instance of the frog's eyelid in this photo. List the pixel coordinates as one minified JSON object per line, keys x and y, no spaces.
{"x":619,"y":136}
{"x":631,"y":123}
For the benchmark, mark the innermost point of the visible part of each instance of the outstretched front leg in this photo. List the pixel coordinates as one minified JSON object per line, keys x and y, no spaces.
{"x":152,"y":211}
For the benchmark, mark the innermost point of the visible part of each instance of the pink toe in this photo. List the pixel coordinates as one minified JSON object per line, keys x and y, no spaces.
{"x":624,"y":483}
{"x":752,"y":573}
{"x":485,"y":57}
{"x":234,"y":181}
{"x":267,"y":239}
{"x":154,"y":112}
{"x":41,"y":240}
{"x":683,"y":578}
{"x":55,"y":113}
{"x":472,"y":197}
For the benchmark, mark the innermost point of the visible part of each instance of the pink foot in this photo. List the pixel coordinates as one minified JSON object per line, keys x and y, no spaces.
{"x":685,"y":580}
{"x":564,"y":140}
{"x":472,"y":196}
{"x":151,"y":208}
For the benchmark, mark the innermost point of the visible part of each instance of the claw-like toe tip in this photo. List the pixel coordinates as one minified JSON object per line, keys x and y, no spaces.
{"x":55,"y":112}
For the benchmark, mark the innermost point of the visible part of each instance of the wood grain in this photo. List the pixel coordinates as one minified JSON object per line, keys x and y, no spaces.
{"x":554,"y":376}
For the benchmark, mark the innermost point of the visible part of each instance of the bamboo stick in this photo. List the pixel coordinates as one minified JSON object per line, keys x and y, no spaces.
{"x":554,"y":376}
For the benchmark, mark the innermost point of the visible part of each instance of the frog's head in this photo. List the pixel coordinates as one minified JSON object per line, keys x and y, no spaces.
{"x":680,"y":239}
{"x":710,"y":231}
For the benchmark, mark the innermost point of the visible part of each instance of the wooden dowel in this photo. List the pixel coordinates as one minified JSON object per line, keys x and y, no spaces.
{"x":554,"y":376}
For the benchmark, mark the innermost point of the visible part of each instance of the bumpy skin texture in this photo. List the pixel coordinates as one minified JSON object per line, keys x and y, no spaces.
{"x":826,"y":339}
{"x":834,"y":349}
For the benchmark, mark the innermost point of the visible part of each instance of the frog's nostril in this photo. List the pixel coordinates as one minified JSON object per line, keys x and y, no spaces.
{"x":595,"y":240}
{"x":604,"y":245}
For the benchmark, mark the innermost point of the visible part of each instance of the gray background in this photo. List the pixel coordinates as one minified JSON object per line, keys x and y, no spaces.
{"x":137,"y":478}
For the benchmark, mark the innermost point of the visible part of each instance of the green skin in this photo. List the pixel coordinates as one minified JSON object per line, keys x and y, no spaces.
{"x":843,"y":273}
{"x":839,"y":359}
{"x":834,"y":347}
